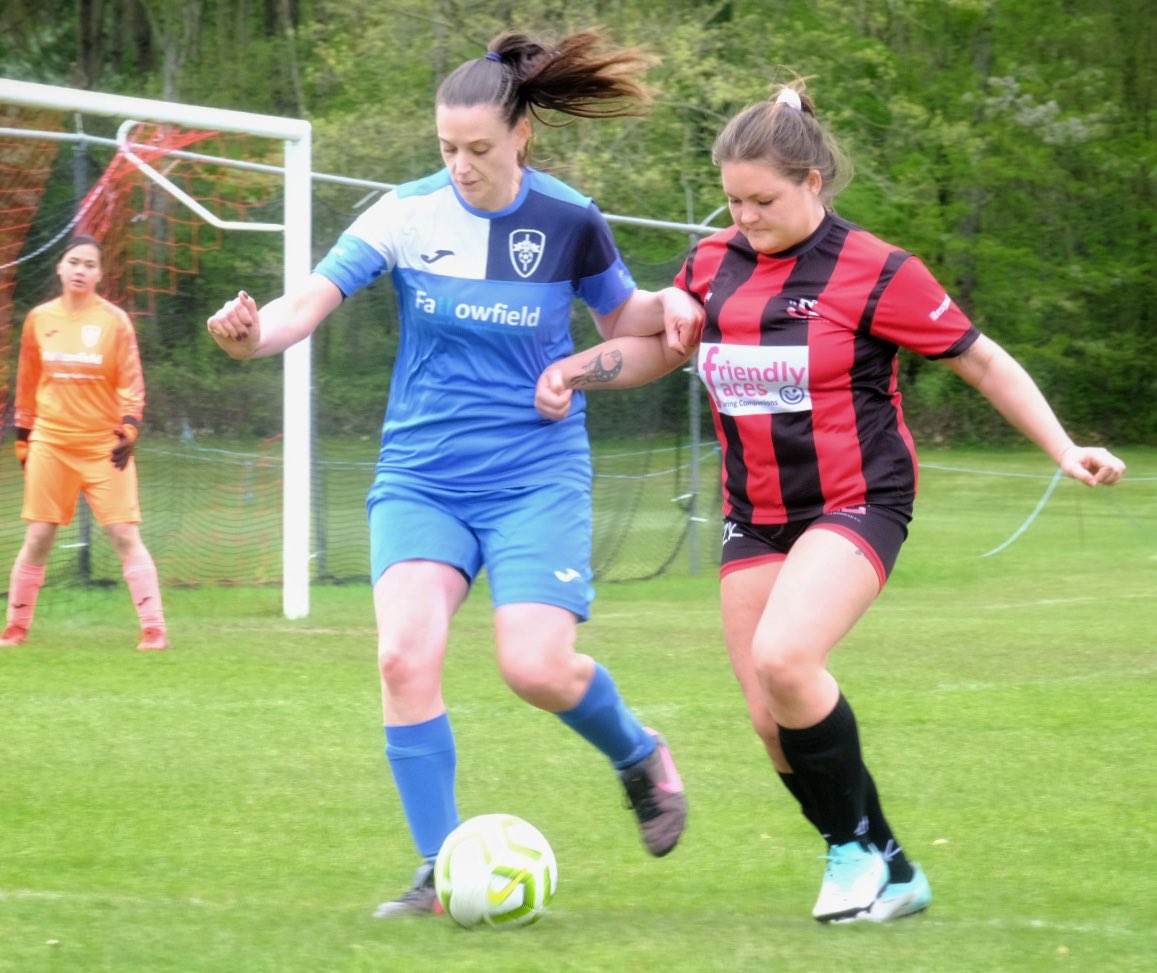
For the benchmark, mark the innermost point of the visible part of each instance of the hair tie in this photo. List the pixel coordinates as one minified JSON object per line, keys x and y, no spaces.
{"x":790,"y":97}
{"x":493,"y":56}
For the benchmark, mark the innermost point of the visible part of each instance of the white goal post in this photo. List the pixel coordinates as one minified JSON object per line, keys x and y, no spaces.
{"x":297,"y":390}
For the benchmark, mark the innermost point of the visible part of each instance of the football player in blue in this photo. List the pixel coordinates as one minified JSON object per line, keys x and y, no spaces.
{"x":486,"y":257}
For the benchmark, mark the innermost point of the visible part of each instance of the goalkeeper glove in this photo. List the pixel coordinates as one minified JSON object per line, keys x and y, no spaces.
{"x":21,"y":444}
{"x":127,"y":433}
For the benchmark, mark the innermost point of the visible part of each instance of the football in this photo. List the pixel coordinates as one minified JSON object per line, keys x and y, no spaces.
{"x":495,"y":870}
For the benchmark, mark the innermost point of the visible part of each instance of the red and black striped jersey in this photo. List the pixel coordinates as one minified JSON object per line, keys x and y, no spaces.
{"x":799,"y":357}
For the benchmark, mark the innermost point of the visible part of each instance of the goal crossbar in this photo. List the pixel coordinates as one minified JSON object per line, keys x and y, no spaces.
{"x":295,"y":134}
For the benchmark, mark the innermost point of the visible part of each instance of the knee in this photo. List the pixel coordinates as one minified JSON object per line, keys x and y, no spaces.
{"x":402,"y":658}
{"x":783,"y":669}
{"x":38,"y":541}
{"x":537,"y":658}
{"x":530,"y":676}
{"x":125,"y":540}
{"x":553,"y":680}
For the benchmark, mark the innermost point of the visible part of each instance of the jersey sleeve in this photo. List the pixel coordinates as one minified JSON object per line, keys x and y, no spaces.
{"x":915,"y":312}
{"x":27,"y":374}
{"x":366,"y":250}
{"x":130,"y":381}
{"x":684,"y":279}
{"x":603,"y":280}
{"x":698,"y":270}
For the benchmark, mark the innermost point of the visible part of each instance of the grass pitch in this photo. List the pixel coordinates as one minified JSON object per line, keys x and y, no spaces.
{"x":226,"y":806}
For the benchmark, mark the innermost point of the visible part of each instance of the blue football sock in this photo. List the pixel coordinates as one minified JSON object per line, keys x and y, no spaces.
{"x":602,"y":718}
{"x":423,"y":760}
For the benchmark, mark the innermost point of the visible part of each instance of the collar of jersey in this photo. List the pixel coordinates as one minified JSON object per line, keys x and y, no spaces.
{"x":486,"y":214}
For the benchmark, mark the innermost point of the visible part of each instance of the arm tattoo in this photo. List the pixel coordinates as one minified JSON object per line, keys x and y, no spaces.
{"x":604,"y":367}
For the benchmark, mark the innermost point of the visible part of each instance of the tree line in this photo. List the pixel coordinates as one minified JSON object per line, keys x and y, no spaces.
{"x":1011,"y":144}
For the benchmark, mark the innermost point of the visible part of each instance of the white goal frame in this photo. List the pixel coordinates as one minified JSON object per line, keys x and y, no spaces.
{"x":297,"y":390}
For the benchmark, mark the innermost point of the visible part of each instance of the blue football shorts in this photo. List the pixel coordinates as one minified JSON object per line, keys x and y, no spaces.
{"x":534,"y":542}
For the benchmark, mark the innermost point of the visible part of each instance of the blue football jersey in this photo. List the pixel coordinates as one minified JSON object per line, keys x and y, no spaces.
{"x":485,"y":302}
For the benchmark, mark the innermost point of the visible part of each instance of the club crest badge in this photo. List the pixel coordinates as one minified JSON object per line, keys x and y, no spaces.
{"x":526,"y":248}
{"x":90,"y":335}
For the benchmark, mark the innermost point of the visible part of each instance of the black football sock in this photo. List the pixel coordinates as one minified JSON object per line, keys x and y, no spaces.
{"x":795,"y":787}
{"x":880,"y":834}
{"x":826,"y":758}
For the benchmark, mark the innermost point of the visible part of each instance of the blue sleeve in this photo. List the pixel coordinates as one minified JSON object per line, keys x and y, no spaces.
{"x":604,"y":280}
{"x":606,"y":291}
{"x":351,"y":264}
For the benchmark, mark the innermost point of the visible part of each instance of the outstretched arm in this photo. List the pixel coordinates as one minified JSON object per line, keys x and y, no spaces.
{"x":620,"y":363}
{"x":243,"y":331}
{"x":994,"y":373}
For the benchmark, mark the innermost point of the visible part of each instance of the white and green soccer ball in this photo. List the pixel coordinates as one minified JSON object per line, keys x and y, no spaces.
{"x":495,"y":870}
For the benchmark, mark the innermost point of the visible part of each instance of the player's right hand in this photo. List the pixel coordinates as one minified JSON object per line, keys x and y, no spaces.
{"x":551,"y":395}
{"x":236,"y":327}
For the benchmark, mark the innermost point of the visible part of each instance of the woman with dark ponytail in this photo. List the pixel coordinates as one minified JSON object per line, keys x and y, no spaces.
{"x":486,"y":257}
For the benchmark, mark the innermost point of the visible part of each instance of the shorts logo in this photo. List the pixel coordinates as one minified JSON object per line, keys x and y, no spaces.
{"x":855,"y":514}
{"x":526,"y":248}
{"x":570,"y":574}
{"x":90,"y":335}
{"x":730,"y":530}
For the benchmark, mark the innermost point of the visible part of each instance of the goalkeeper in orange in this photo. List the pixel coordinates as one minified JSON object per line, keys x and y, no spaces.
{"x":80,"y":396}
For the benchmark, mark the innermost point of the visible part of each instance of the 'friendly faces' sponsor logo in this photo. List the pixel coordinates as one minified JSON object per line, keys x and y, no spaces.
{"x":748,"y":380}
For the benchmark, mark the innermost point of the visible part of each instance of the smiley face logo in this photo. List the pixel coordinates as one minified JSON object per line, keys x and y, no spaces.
{"x":792,"y":394}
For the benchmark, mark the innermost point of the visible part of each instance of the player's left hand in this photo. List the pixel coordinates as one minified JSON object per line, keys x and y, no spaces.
{"x":1091,"y":465}
{"x":127,"y":434}
{"x":683,"y":319}
{"x":551,"y":395}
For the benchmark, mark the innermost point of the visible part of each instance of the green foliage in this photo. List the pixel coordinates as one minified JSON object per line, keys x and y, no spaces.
{"x":1010,"y":145}
{"x":34,"y":48}
{"x":181,"y":392}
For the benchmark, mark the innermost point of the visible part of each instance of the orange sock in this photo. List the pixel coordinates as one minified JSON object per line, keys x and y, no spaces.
{"x":23,"y":588}
{"x":141,"y":574}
